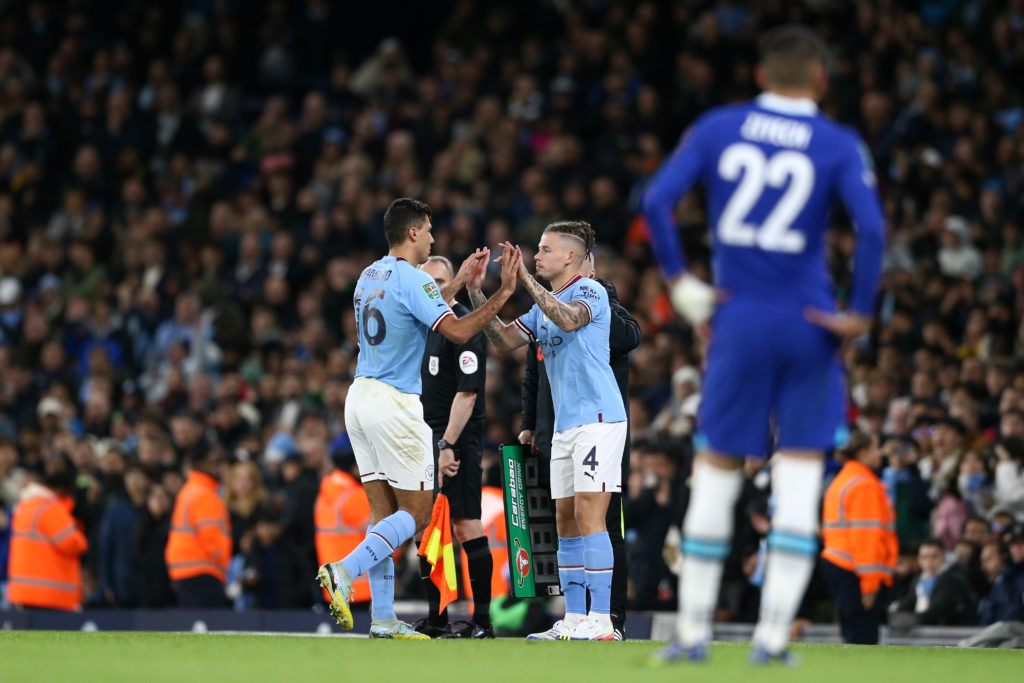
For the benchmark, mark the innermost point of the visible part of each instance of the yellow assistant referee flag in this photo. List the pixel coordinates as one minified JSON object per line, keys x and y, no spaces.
{"x":436,"y":546}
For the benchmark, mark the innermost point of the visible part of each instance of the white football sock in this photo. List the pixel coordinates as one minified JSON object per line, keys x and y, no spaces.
{"x":707,"y":534}
{"x":792,"y":547}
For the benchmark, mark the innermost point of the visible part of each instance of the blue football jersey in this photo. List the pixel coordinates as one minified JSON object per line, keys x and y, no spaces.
{"x":771,"y":169}
{"x":395,"y":305}
{"x":583,"y":387}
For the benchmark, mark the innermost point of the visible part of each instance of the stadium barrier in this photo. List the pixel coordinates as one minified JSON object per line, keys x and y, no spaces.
{"x":641,"y":626}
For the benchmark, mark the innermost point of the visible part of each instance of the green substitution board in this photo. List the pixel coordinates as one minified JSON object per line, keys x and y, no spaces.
{"x":517,"y":523}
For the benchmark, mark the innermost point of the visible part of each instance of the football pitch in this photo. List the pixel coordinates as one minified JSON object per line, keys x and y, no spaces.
{"x":39,"y":656}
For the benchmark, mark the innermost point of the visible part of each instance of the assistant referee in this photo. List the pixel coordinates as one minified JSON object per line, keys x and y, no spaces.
{"x":453,"y":405}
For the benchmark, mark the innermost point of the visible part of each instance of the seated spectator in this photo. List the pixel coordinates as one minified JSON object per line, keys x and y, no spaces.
{"x":950,"y":515}
{"x":1005,"y":574}
{"x":977,"y":531}
{"x":1009,"y":489}
{"x":974,"y":482}
{"x":938,"y":596}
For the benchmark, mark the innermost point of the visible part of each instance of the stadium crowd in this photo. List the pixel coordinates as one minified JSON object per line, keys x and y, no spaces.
{"x":189,"y":191}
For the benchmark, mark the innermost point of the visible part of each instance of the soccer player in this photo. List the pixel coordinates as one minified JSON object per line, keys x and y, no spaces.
{"x":539,"y":421}
{"x":395,"y":305}
{"x":453,"y":404}
{"x":770,"y":168}
{"x":571,"y":323}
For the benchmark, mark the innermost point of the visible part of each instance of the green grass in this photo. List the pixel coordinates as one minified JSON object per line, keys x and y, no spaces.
{"x":108,"y":657}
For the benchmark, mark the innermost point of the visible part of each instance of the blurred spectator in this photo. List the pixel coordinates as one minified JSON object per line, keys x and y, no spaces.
{"x":149,"y":571}
{"x":118,"y":538}
{"x":276,"y":572}
{"x":244,"y":494}
{"x":655,"y":502}
{"x":1005,"y":574}
{"x":907,"y":490}
{"x":1009,"y":488}
{"x":939,"y":596}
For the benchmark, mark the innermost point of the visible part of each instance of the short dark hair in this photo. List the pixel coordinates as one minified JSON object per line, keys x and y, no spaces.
{"x":400,"y":216}
{"x":581,"y":230}
{"x":789,"y":55}
{"x":858,"y":441}
{"x":932,"y":543}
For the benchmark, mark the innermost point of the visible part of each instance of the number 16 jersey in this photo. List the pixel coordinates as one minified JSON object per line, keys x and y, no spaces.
{"x":395,"y":305}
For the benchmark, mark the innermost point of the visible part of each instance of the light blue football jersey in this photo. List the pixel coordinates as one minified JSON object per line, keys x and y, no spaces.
{"x":395,"y":305}
{"x":583,"y":386}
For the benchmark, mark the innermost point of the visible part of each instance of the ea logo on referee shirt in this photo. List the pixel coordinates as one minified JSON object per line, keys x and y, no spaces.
{"x":468,"y":362}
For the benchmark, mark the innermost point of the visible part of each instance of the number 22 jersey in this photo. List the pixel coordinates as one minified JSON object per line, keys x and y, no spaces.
{"x":395,"y":305}
{"x":771,"y":169}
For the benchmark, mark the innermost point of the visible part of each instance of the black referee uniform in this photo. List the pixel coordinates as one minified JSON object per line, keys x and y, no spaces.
{"x":449,"y":368}
{"x":539,"y":416}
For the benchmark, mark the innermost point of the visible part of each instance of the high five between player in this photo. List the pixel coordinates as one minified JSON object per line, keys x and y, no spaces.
{"x":571,"y":323}
{"x":771,"y":169}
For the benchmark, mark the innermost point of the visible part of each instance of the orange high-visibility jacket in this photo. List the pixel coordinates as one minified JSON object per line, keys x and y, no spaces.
{"x":492,"y":513}
{"x":44,"y":569}
{"x":859,"y":526}
{"x":342,"y":514}
{"x":200,"y":538}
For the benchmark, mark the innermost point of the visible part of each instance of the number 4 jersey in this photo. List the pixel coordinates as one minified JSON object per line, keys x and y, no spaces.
{"x":771,"y":169}
{"x":395,"y":305}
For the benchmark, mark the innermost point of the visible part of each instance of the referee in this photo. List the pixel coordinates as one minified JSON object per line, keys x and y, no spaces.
{"x":538,"y":426}
{"x":453,"y":380}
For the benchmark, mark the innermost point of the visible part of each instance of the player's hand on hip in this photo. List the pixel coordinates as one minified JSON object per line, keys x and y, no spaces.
{"x":693,"y":298}
{"x":447,"y":465}
{"x":526,"y":437}
{"x":844,"y":325}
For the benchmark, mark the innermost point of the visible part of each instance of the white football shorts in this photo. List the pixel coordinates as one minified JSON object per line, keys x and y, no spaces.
{"x":587,"y":459}
{"x":389,"y":437}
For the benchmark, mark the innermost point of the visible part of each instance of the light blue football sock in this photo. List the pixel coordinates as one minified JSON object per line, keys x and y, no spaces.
{"x":382,"y":589}
{"x":380,"y":544}
{"x":571,"y":575}
{"x":598,"y":560}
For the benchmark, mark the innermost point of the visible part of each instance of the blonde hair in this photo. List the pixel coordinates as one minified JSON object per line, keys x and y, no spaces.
{"x":245,"y":506}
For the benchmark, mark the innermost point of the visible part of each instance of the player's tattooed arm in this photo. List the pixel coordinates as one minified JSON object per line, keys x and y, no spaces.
{"x":496,"y":330}
{"x":567,"y":316}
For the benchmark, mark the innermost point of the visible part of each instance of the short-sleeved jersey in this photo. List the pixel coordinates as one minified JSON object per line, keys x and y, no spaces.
{"x":395,"y":305}
{"x":771,"y":169}
{"x":583,"y":386}
{"x":449,"y":368}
